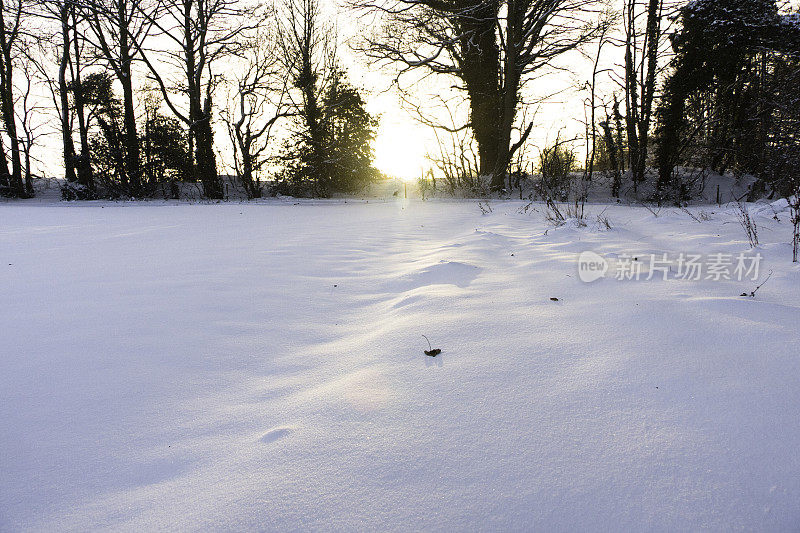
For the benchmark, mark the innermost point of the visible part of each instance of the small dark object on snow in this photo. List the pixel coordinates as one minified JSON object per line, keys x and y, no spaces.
{"x":335,"y":285}
{"x":753,"y":293}
{"x":432,"y":352}
{"x":554,"y":299}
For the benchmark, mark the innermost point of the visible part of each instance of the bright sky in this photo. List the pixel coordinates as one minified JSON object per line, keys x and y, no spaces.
{"x":402,"y":142}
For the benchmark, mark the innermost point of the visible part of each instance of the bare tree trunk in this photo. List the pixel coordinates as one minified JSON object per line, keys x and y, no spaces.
{"x":631,"y":95}
{"x":509,"y":90}
{"x":199,"y":110}
{"x":7,"y":37}
{"x":130,"y":137}
{"x":63,"y":93}
{"x":508,"y":114}
{"x":201,"y":133}
{"x":619,"y":133}
{"x":611,"y":148}
{"x":204,"y":155}
{"x":117,"y":27}
{"x":253,"y":191}
{"x":640,"y":80}
{"x":132,"y":162}
{"x":591,"y":130}
{"x":5,"y":175}
{"x":794,"y":204}
{"x":480,"y":71}
{"x":84,"y":161}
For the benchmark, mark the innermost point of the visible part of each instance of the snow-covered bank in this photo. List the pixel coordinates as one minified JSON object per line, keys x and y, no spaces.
{"x":232,"y":367}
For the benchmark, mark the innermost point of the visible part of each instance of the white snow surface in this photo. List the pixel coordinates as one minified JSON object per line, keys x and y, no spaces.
{"x":260,"y":367}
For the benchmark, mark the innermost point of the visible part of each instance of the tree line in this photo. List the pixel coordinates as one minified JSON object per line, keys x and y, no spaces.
{"x":708,"y":84}
{"x":694,"y":86}
{"x":98,"y":59}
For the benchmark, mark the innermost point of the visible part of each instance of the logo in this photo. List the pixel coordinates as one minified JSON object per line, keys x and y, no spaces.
{"x":591,"y":266}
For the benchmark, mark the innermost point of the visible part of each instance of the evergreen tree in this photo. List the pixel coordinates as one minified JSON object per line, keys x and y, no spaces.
{"x":349,"y":131}
{"x":165,"y":146}
{"x":718,"y":109}
{"x":336,"y":155}
{"x":106,"y":146}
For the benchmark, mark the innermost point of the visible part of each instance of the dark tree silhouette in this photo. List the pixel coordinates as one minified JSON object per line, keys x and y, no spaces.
{"x":12,"y":12}
{"x":118,"y":27}
{"x":260,"y":101}
{"x":492,"y":47}
{"x":202,"y":32}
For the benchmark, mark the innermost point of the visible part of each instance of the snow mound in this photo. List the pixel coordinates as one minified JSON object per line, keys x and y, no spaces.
{"x":443,"y":273}
{"x":275,"y":434}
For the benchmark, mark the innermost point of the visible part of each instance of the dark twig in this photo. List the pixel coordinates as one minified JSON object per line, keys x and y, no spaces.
{"x":753,"y":293}
{"x":431,"y":351}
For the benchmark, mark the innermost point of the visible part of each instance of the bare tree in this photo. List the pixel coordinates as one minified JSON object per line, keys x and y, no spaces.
{"x":493,"y":48}
{"x":66,"y":16}
{"x":118,"y":29}
{"x":590,"y":121}
{"x":535,"y":32}
{"x":612,"y":149}
{"x":260,"y":100}
{"x":308,"y":55}
{"x":65,"y":53}
{"x":28,"y":110}
{"x":202,"y":33}
{"x":645,"y":26}
{"x":11,"y":15}
{"x":83,"y":162}
{"x":456,"y":156}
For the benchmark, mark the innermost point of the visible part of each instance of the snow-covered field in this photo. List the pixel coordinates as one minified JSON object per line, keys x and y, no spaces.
{"x":261,"y":367}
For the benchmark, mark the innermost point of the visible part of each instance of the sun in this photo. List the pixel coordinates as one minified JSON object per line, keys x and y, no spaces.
{"x":400,"y":149}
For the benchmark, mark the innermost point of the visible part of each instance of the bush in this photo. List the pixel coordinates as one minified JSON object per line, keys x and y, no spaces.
{"x":75,"y":191}
{"x":555,"y":164}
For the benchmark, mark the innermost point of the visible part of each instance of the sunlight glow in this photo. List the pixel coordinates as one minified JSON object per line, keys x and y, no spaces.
{"x":400,"y":149}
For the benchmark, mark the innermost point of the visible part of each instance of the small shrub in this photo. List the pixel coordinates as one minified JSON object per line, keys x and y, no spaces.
{"x":747,"y":223}
{"x":75,"y":191}
{"x":555,"y":164}
{"x":425,"y":187}
{"x":603,"y":222}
